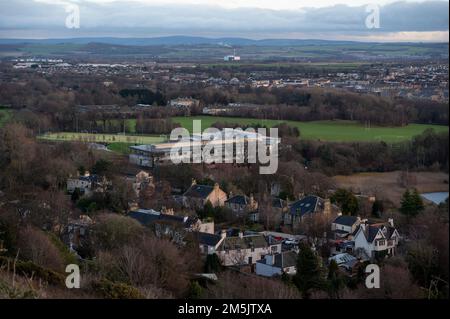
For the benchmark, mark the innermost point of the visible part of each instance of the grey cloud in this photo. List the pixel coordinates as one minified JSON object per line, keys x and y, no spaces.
{"x":128,"y":18}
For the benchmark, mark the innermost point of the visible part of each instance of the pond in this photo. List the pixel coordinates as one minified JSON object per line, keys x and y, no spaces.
{"x":436,"y":198}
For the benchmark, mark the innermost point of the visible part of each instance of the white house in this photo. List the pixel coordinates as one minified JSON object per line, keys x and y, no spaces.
{"x":244,"y":250}
{"x":86,"y":184}
{"x":277,"y":264}
{"x":375,"y":239}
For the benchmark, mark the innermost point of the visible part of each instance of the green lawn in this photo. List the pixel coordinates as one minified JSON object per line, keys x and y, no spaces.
{"x":5,"y":115}
{"x":103,"y":138}
{"x":334,"y":131}
{"x":122,"y":148}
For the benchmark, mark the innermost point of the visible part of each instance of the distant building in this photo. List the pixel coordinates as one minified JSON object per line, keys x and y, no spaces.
{"x":86,"y":184}
{"x":231,"y":58}
{"x":184,"y":103}
{"x":153,"y":155}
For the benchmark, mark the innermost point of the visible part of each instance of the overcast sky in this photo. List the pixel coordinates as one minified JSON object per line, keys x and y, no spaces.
{"x":321,"y":19}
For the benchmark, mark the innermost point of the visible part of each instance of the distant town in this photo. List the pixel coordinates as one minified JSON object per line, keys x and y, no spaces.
{"x":88,"y":181}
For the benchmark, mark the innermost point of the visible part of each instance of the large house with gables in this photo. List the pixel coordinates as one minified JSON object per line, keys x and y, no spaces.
{"x":375,"y":239}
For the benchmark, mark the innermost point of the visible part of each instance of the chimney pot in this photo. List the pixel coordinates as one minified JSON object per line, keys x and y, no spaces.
{"x":391,"y":222}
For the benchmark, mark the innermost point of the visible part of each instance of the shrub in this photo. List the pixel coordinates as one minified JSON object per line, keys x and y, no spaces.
{"x":29,"y":268}
{"x":111,"y":290}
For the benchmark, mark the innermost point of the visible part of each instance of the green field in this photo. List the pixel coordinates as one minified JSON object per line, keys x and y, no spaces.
{"x":103,"y":138}
{"x":333,"y":131}
{"x":5,"y":115}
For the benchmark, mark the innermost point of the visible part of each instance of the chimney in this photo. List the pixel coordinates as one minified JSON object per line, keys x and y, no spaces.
{"x":223,"y":234}
{"x":358,"y":220}
{"x":241,"y":234}
{"x":216,"y":186}
{"x":391,"y":222}
{"x":327,"y":207}
{"x":194,"y":182}
{"x":363,"y":226}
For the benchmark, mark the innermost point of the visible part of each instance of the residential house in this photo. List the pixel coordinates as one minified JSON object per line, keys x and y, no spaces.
{"x":141,"y":180}
{"x":306,"y":207}
{"x":344,"y":226}
{"x":169,"y":225}
{"x":86,"y":184}
{"x":277,"y":264}
{"x":244,"y":250}
{"x":346,"y":262}
{"x":375,"y":239}
{"x":198,"y":195}
{"x":242,"y":205}
{"x":279,"y":207}
{"x":76,"y":234}
{"x":209,"y":243}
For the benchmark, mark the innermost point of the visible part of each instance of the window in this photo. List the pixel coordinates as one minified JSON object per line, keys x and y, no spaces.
{"x":381,"y":242}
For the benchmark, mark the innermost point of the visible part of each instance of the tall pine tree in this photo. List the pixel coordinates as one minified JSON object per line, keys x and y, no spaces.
{"x":309,"y":274}
{"x":411,"y":204}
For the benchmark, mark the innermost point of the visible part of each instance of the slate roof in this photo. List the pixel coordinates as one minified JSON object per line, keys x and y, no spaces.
{"x":345,"y":260}
{"x":239,"y":200}
{"x":283,"y":260}
{"x":346,"y":220}
{"x":246,"y":242}
{"x":199,"y":191}
{"x":372,"y":230}
{"x":306,"y":205}
{"x":208,"y":239}
{"x":148,"y":217}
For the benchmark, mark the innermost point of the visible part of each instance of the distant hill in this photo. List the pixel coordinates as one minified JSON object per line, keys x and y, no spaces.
{"x":185,"y":48}
{"x":177,"y":40}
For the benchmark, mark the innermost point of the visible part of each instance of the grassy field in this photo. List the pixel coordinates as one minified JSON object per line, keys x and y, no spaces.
{"x":5,"y":115}
{"x":114,"y":139}
{"x":334,"y":131}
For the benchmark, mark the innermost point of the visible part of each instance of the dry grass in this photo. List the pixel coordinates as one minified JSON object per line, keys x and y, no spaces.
{"x":386,"y":185}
